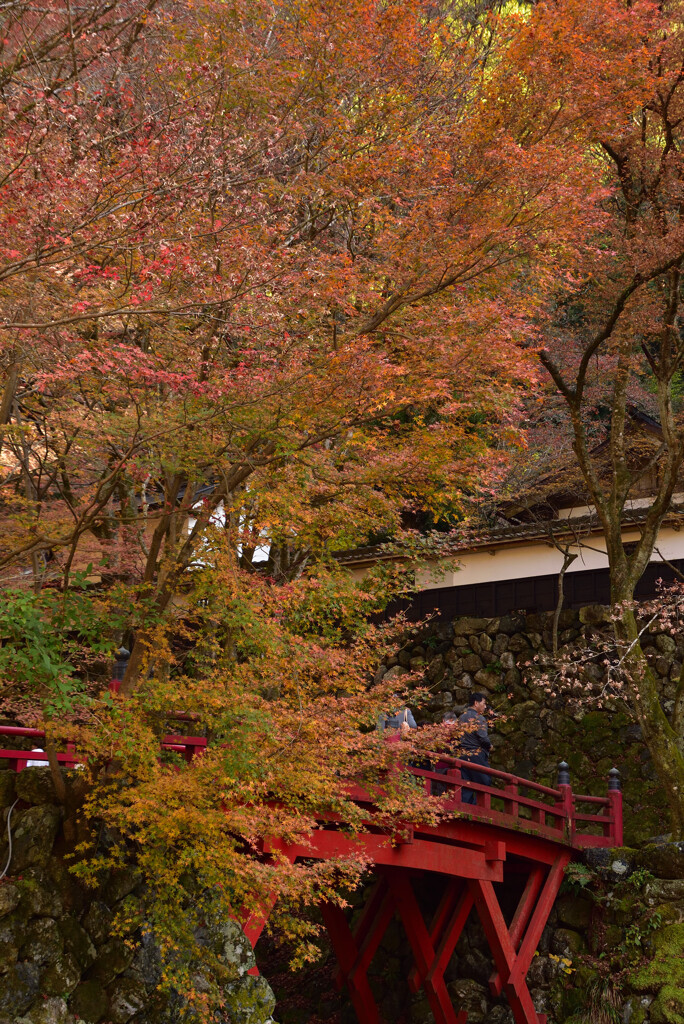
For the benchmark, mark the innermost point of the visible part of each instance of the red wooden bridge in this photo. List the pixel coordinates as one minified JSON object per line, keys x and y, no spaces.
{"x":518,"y":837}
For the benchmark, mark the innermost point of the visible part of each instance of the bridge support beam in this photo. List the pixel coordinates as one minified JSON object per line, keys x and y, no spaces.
{"x":512,"y":946}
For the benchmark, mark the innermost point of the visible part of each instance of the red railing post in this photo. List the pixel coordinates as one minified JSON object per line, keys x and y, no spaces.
{"x":454,"y":776}
{"x":565,"y":806}
{"x":511,"y":805}
{"x":614,"y":807}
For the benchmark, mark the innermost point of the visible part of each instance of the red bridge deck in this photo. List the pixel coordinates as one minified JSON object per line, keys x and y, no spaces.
{"x":519,"y":835}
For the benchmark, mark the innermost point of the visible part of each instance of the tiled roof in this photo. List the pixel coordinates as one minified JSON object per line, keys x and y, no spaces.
{"x":506,"y":533}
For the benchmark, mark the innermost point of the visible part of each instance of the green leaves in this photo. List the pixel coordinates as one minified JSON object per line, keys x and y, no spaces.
{"x":51,"y":644}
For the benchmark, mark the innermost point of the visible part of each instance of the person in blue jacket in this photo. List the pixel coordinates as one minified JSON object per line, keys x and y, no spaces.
{"x":475,"y":745}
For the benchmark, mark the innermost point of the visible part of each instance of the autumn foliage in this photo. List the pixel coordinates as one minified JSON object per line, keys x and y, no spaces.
{"x":274,"y":278}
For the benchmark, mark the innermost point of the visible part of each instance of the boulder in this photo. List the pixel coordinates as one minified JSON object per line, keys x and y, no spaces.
{"x":119,"y":884}
{"x":89,"y":1002}
{"x":77,"y":942}
{"x":42,"y":942}
{"x":97,"y":921}
{"x":487,"y":680}
{"x":250,"y":1001}
{"x":18,"y":989}
{"x":660,"y":890}
{"x":112,"y":959}
{"x":7,"y":780}
{"x":467,"y":626}
{"x":519,"y":643}
{"x":9,"y":897}
{"x":47,"y":1011}
{"x":34,"y":786}
{"x":228,"y":941}
{"x":126,"y":998}
{"x":147,"y":960}
{"x":33,"y":837}
{"x":395,"y":673}
{"x":38,"y":896}
{"x":567,"y":943}
{"x":666,"y":645}
{"x":665,"y":860}
{"x":61,"y":977}
{"x":510,"y":624}
{"x":574,"y":911}
{"x":471,"y":997}
{"x":594,"y":614}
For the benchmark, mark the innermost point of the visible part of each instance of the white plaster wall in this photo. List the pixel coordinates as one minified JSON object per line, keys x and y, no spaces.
{"x":537,"y":558}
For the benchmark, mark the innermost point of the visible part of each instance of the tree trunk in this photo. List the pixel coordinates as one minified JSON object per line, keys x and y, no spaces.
{"x":664,"y":745}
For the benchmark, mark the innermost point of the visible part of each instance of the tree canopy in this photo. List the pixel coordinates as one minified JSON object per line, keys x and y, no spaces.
{"x":275,"y":277}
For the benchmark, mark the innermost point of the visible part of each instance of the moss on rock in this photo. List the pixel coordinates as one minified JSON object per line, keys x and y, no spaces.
{"x":668,"y":1006}
{"x":667,"y":965}
{"x":77,"y":942}
{"x":113,"y":958}
{"x":89,"y":1002}
{"x":61,"y":977}
{"x":35,"y":786}
{"x":249,"y":1002}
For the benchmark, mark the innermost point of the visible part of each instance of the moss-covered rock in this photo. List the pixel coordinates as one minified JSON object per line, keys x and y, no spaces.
{"x":89,"y":1002}
{"x":574,"y":911}
{"x":668,"y":1005}
{"x":666,"y":860}
{"x":11,"y":931}
{"x":470,"y":996}
{"x":7,"y":779}
{"x":61,"y":977}
{"x":42,"y":942}
{"x":228,"y":941}
{"x":47,"y":1011}
{"x":660,"y":890}
{"x":77,"y":942}
{"x":9,"y":897}
{"x":126,"y":998}
{"x":112,"y":959}
{"x":568,"y":944}
{"x":119,"y":884}
{"x":18,"y":989}
{"x":39,"y":897}
{"x":33,"y":837}
{"x":97,"y":921}
{"x":35,"y":786}
{"x":667,"y":965}
{"x":251,"y":1001}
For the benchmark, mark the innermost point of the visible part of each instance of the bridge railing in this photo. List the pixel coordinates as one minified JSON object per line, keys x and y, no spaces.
{"x":186,"y":746}
{"x":515,"y":802}
{"x":508,"y":800}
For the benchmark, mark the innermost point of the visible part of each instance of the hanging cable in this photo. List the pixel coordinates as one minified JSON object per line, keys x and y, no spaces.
{"x":9,"y":838}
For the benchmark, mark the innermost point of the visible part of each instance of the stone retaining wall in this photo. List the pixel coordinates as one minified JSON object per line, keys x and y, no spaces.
{"x":59,"y":959}
{"x":497,"y":656}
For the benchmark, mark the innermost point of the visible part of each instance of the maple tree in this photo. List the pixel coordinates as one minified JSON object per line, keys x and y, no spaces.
{"x":230,"y":243}
{"x":613,"y":336}
{"x":266,"y":277}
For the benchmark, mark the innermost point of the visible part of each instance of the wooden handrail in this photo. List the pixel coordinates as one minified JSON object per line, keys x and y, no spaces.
{"x":555,"y":820}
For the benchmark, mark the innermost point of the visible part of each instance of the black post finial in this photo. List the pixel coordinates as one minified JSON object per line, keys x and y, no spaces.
{"x":614,"y":779}
{"x":563,"y":774}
